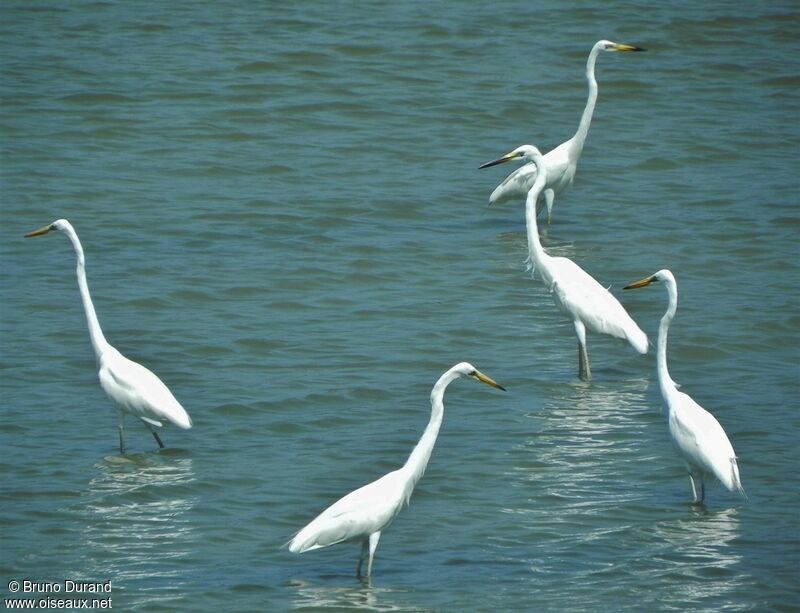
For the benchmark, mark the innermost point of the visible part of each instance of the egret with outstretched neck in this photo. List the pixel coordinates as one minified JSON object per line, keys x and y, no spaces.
{"x":561,"y":162}
{"x":696,"y":434}
{"x":587,"y":303}
{"x":131,"y":386}
{"x":362,"y":515}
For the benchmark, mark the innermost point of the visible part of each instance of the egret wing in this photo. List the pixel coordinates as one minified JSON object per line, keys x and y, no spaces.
{"x":560,"y":169}
{"x":515,"y":185}
{"x":139,"y":391}
{"x":703,"y":441}
{"x":577,"y":293}
{"x":360,"y":513}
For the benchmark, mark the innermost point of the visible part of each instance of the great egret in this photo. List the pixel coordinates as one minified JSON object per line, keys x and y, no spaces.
{"x":561,"y":162}
{"x":574,"y":291}
{"x":363,"y":514}
{"x":131,"y":386}
{"x":696,"y":433}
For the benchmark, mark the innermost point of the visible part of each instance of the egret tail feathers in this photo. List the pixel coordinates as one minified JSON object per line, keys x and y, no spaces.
{"x":300,"y":542}
{"x":638,"y":341}
{"x":182,"y":419}
{"x":735,"y":480}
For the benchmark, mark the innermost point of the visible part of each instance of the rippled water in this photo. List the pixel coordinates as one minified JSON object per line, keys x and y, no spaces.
{"x":283,"y":218}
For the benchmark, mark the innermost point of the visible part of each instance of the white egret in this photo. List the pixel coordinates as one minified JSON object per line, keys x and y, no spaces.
{"x":696,"y":433}
{"x":131,"y":386}
{"x":362,"y":515}
{"x":561,"y":162}
{"x":575,"y":292}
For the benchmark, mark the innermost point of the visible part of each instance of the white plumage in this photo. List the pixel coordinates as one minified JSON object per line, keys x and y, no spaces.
{"x":139,"y":391}
{"x":696,"y":434}
{"x":363,"y":514}
{"x":587,"y":303}
{"x":561,"y":162}
{"x":359,"y":514}
{"x":131,"y":386}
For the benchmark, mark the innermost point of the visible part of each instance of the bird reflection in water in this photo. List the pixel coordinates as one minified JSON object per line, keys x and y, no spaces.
{"x":566,"y":491}
{"x":361,"y":597}
{"x":581,"y":433}
{"x":136,"y":525}
{"x":700,"y":548}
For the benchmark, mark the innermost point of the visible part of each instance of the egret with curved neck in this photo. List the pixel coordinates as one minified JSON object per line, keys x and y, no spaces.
{"x":696,"y":434}
{"x":561,"y":162}
{"x":587,"y":303}
{"x":363,"y":514}
{"x":131,"y":386}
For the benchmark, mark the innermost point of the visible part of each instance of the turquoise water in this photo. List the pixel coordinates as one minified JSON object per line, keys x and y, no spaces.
{"x":283,"y":218}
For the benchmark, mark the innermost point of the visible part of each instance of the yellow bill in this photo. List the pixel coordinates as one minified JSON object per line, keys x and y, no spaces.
{"x":40,"y":231}
{"x":641,"y":282}
{"x":506,"y":158}
{"x":623,"y":47}
{"x":479,"y":376}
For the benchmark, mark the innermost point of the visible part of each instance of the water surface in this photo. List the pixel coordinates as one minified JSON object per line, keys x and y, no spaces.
{"x":283,"y":218}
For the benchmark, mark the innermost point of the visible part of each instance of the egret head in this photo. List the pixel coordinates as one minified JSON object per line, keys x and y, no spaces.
{"x":58,"y":224}
{"x":465,"y":368}
{"x":523,"y":152}
{"x":607,"y":45}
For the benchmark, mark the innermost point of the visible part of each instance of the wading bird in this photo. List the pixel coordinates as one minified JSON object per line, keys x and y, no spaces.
{"x":131,"y":386}
{"x":587,"y":303}
{"x":362,"y":515}
{"x":695,"y":433}
{"x":561,"y":162}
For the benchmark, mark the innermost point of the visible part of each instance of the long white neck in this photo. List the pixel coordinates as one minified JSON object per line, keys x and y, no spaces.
{"x":586,"y":119}
{"x":665,"y":381}
{"x":99,"y":343}
{"x":418,"y":460}
{"x":535,"y":250}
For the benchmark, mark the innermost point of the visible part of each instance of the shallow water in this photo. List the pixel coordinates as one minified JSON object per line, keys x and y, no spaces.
{"x":283,"y":218}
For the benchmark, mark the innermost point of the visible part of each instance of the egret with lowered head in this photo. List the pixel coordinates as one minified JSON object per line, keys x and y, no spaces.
{"x":587,"y":303}
{"x":131,"y":386}
{"x":362,"y":515}
{"x":561,"y":162}
{"x":696,"y":433}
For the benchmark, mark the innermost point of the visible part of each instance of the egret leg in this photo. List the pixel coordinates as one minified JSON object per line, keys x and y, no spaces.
{"x":702,"y":488}
{"x":539,"y":207}
{"x":549,"y":196}
{"x":373,"y":545}
{"x":121,"y":439}
{"x":695,"y":499}
{"x":155,"y":434}
{"x":584,"y":372}
{"x":158,"y":439}
{"x":364,"y":553}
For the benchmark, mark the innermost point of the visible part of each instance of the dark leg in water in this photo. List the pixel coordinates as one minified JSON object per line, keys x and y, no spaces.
{"x":121,"y":440}
{"x":155,"y":434}
{"x":584,"y":372}
{"x":158,"y":440}
{"x":364,"y":554}
{"x":695,"y":498}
